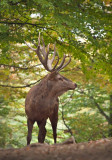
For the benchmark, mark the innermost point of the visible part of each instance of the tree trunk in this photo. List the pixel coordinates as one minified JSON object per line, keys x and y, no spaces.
{"x":110,"y":121}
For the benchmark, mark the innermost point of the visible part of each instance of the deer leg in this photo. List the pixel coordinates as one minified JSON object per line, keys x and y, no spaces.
{"x":30,"y":127}
{"x":42,"y":131}
{"x":54,"y":121}
{"x":54,"y":127}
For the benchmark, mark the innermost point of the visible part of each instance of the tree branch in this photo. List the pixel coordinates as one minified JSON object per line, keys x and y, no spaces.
{"x":22,"y":23}
{"x":62,"y":112}
{"x":27,"y":23}
{"x":24,"y":68}
{"x":69,"y":130}
{"x":97,"y":105}
{"x":24,"y":86}
{"x":100,"y":109}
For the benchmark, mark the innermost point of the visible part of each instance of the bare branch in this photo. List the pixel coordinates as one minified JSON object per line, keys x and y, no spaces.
{"x":23,"y":68}
{"x":62,"y":112}
{"x":69,"y":130}
{"x":97,"y":105}
{"x":23,"y":23}
{"x":24,"y":86}
{"x":100,"y":109}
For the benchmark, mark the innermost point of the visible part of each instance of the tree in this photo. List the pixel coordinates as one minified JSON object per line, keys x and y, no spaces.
{"x":81,"y":28}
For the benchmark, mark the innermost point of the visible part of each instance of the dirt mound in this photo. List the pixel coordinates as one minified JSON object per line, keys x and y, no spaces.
{"x":69,"y":150}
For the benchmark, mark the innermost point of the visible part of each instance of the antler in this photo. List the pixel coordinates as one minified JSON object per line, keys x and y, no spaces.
{"x":47,"y":63}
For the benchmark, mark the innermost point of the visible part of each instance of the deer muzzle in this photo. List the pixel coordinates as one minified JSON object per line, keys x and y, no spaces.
{"x":73,"y":86}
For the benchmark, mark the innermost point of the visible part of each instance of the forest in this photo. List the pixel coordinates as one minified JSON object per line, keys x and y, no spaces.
{"x":80,"y":28}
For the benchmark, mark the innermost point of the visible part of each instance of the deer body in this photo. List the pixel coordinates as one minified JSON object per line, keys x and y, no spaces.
{"x":42,"y":100}
{"x":39,"y":102}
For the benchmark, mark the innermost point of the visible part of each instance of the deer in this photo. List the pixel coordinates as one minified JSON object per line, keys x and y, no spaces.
{"x":42,"y":100}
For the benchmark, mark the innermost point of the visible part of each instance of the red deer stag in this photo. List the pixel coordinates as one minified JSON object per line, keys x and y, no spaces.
{"x":42,"y":99}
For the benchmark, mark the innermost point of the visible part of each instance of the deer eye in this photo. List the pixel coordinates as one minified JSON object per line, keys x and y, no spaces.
{"x":60,"y":79}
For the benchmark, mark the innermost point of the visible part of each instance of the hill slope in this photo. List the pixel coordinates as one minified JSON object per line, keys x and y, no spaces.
{"x":93,"y":150}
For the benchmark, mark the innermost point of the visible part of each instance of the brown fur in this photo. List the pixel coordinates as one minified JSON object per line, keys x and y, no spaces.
{"x":42,"y":103}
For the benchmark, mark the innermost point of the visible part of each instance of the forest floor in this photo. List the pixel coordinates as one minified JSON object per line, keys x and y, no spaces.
{"x":68,"y":150}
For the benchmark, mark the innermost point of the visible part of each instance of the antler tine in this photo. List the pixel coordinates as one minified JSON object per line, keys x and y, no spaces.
{"x":51,"y":61}
{"x":54,"y":54}
{"x":65,"y":64}
{"x":34,"y":43}
{"x":56,"y":62}
{"x":39,"y":55}
{"x":47,"y":63}
{"x":46,"y":56}
{"x":43,"y":48}
{"x":47,"y":49}
{"x":43,"y":61}
{"x":30,"y":46}
{"x":43,"y":43}
{"x":39,"y":39}
{"x":62,"y":62}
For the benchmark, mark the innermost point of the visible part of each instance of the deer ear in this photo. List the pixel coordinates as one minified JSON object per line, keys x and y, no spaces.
{"x":52,"y":75}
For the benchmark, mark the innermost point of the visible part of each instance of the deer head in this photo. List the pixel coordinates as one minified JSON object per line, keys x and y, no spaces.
{"x":58,"y":83}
